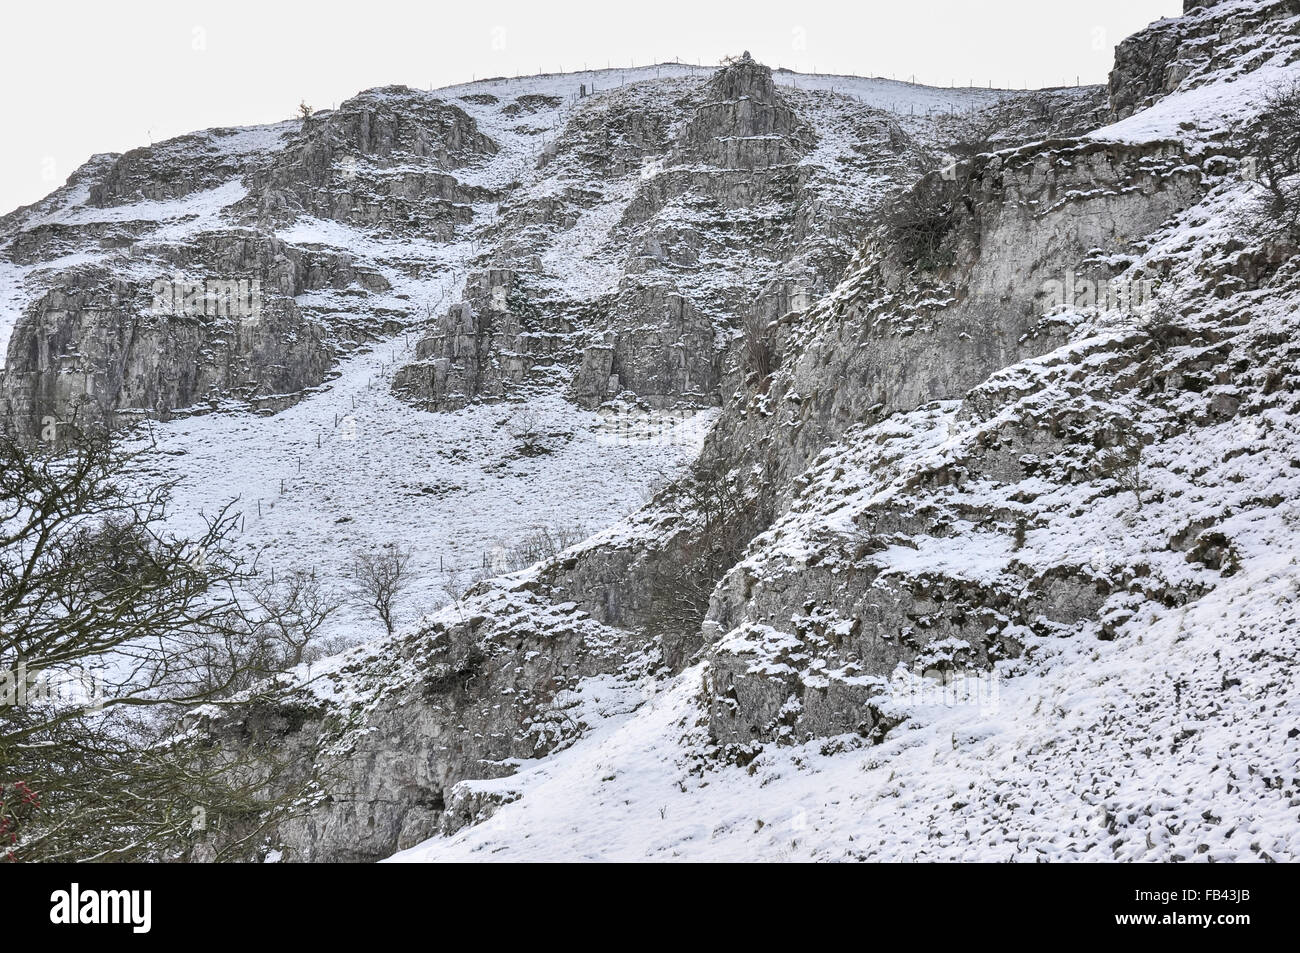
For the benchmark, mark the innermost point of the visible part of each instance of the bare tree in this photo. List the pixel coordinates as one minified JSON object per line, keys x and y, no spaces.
{"x":293,"y":609}
{"x":1274,"y":146}
{"x":543,"y":542}
{"x":525,"y":426}
{"x":102,"y":614}
{"x":457,"y":585}
{"x":87,"y":569}
{"x":1163,"y":324}
{"x":1122,"y":460}
{"x":380,"y":576}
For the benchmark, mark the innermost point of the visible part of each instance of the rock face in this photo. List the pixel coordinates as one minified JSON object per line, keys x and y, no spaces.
{"x":99,"y":341}
{"x":936,"y":470}
{"x":1206,"y":44}
{"x":383,"y":160}
{"x":95,"y":345}
{"x":489,"y":345}
{"x":1032,"y":219}
{"x":708,"y":198}
{"x":177,"y":168}
{"x":920,"y":469}
{"x":208,"y":211}
{"x":441,"y":719}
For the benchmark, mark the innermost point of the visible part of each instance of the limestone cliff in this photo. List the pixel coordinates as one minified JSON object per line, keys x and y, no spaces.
{"x":1052,"y":453}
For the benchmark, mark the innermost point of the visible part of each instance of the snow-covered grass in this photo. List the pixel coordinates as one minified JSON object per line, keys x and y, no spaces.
{"x":455,"y":487}
{"x":1172,"y":743}
{"x":11,"y":303}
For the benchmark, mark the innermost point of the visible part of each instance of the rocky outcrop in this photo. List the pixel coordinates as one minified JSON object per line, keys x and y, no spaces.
{"x":206,"y":321}
{"x":743,"y":122}
{"x":94,"y":335}
{"x":1216,"y":38}
{"x":669,"y":353}
{"x":186,"y":165}
{"x":495,"y":343}
{"x":466,"y":697}
{"x":98,"y":345}
{"x":382,"y":160}
{"x":709,"y":177}
{"x":952,"y":539}
{"x":891,"y":338}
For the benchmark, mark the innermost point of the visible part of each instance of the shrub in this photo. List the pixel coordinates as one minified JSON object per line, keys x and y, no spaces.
{"x":1274,"y":146}
{"x":1164,"y":325}
{"x":758,"y":348}
{"x":919,"y":221}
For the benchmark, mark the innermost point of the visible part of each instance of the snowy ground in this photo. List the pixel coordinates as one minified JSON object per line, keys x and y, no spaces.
{"x":1163,"y":743}
{"x":1176,"y":740}
{"x":1117,"y":765}
{"x":454,"y":487}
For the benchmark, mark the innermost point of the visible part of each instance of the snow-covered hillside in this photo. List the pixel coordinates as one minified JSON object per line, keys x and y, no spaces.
{"x":349,"y":466}
{"x":883,"y":555}
{"x":1156,"y":721}
{"x":1142,"y":751}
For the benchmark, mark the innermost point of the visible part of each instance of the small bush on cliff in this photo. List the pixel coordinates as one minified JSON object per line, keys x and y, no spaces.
{"x":1164,"y":325}
{"x":758,"y":349}
{"x":919,"y":221}
{"x":722,"y":520}
{"x":1273,"y":144}
{"x":536,"y":545}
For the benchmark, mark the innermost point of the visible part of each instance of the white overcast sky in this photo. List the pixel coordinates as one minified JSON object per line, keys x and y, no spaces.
{"x":78,"y":78}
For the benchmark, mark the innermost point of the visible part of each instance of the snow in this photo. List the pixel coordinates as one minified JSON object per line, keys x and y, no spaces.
{"x":896,"y":96}
{"x":11,"y":304}
{"x":197,"y":211}
{"x":1042,"y":771}
{"x":1188,"y":113}
{"x":1175,"y":738}
{"x":1229,"y":96}
{"x":452,"y":486}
